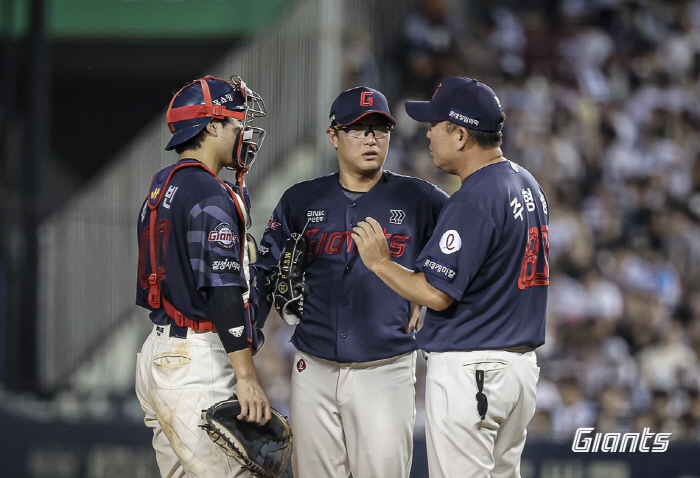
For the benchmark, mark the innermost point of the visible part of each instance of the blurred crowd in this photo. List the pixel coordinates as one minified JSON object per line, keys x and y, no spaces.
{"x":602,"y":99}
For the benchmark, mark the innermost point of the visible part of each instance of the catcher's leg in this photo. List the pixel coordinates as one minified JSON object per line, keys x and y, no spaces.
{"x":319,"y":447}
{"x":188,"y":376}
{"x":168,"y":462}
{"x":378,"y":406}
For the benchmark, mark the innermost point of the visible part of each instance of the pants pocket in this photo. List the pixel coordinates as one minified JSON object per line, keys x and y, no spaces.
{"x":171,"y":360}
{"x":487,"y":379}
{"x":172,"y":369}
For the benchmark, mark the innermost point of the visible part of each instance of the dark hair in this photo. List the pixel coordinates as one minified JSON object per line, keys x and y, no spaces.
{"x":485,"y":139}
{"x":195,"y":142}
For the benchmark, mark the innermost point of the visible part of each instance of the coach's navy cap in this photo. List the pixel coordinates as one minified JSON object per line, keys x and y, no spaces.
{"x":353,"y":104}
{"x":463,"y":101}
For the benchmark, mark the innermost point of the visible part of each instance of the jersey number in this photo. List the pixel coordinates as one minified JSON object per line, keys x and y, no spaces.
{"x":161,"y":240}
{"x":528,"y":271}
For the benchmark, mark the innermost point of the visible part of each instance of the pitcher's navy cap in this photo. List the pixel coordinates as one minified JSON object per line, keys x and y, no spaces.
{"x":353,"y":104}
{"x":464,"y":101}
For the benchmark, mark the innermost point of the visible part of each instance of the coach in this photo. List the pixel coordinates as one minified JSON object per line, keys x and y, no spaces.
{"x":483,"y":276}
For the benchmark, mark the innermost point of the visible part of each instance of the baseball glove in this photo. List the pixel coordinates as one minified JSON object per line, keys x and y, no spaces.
{"x":286,"y":286}
{"x":264,"y":450}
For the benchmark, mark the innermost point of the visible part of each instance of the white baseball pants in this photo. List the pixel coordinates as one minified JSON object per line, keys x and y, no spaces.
{"x":175,"y":380}
{"x":353,"y":417}
{"x":462,"y":445}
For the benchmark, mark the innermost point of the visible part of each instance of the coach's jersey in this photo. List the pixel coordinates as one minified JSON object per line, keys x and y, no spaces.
{"x":489,"y":252}
{"x":198,"y":228}
{"x":350,"y":315}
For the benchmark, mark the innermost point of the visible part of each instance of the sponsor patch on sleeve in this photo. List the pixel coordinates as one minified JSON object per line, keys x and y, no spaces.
{"x":272,"y":225}
{"x":439,"y":269}
{"x":226,"y":265}
{"x":450,"y":242}
{"x":223,"y":236}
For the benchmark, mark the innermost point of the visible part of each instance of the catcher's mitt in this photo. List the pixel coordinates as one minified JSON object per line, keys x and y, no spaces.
{"x":264,"y":450}
{"x":286,"y":286}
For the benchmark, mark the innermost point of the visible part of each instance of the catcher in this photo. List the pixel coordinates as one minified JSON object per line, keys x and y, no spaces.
{"x":193,"y":277}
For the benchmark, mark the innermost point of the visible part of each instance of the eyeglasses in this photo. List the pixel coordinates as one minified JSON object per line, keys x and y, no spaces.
{"x":361,"y":131}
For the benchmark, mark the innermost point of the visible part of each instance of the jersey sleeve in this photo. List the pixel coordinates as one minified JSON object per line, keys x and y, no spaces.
{"x":438,"y":199}
{"x":463,"y":237}
{"x":214,"y":243}
{"x":279,"y":228}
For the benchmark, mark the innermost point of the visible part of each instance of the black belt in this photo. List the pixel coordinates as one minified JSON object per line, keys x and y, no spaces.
{"x":519,"y":349}
{"x":177,"y":331}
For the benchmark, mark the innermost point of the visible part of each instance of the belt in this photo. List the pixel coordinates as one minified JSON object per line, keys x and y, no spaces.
{"x":178,"y":331}
{"x":519,"y":349}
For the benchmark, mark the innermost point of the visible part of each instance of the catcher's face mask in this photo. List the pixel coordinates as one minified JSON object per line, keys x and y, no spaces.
{"x":197,"y":103}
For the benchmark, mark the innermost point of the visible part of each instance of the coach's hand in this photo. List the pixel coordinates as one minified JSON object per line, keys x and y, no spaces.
{"x":414,"y":321}
{"x":371,"y":242}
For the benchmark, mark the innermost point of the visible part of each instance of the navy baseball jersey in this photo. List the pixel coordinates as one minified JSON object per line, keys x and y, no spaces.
{"x":198,"y":229}
{"x":489,"y":252}
{"x":350,"y":315}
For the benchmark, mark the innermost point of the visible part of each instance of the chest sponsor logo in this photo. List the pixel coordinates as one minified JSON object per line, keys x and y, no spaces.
{"x":226,"y":265}
{"x":318,"y":215}
{"x":397,"y":216}
{"x":223,"y":236}
{"x":437,"y":269}
{"x":450,"y":242}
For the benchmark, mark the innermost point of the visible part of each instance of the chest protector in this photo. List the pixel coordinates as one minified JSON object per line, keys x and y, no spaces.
{"x":159,"y":184}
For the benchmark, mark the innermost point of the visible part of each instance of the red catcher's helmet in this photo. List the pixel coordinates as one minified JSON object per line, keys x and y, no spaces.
{"x":197,"y":103}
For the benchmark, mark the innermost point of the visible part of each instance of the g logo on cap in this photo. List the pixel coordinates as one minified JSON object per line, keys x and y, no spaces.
{"x":367,"y":98}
